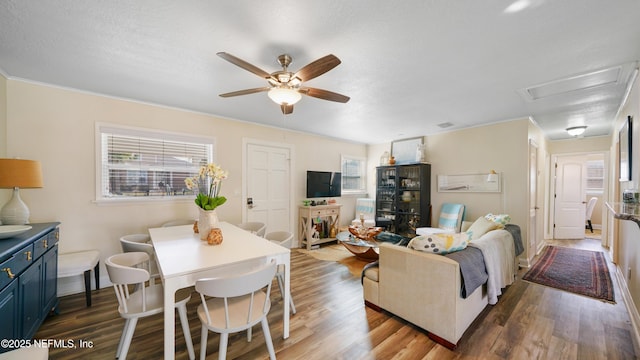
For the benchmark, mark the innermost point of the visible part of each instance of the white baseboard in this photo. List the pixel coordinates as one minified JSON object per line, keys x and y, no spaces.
{"x":628,"y":302}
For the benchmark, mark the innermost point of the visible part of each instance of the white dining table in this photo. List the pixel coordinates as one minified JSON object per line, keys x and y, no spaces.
{"x":183,"y":258}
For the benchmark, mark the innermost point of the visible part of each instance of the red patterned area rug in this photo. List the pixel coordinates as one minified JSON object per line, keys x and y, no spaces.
{"x":578,"y":271}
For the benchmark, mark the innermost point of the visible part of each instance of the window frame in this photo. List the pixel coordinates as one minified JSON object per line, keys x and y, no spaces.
{"x":149,"y":133}
{"x":363,"y":175}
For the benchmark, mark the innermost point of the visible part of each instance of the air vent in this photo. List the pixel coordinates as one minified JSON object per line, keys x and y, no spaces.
{"x":445,"y":125}
{"x":582,"y":82}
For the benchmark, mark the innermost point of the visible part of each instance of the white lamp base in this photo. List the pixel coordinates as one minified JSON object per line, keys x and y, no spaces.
{"x":15,"y":212}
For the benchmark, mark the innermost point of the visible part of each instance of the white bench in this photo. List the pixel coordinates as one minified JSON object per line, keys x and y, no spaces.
{"x":79,"y":263}
{"x":31,"y":353}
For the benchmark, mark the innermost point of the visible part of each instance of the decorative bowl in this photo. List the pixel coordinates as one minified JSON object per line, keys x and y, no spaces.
{"x":7,"y":231}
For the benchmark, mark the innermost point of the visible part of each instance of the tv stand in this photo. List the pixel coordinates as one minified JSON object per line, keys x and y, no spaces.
{"x":310,"y":216}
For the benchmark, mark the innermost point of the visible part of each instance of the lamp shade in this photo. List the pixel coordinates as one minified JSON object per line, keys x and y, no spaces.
{"x":20,"y":173}
{"x":282,"y":95}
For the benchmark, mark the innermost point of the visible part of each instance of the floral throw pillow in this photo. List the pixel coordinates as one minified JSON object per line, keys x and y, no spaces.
{"x":439,"y":243}
{"x":500,"y":219}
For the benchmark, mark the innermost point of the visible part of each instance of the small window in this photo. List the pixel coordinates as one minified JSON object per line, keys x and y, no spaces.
{"x":595,"y":176}
{"x":139,"y":164}
{"x":353,"y":175}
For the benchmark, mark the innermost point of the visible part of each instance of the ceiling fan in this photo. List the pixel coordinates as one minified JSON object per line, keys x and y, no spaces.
{"x":285,"y":87}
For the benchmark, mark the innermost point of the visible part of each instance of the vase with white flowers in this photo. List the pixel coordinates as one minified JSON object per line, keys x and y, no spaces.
{"x":208,"y":183}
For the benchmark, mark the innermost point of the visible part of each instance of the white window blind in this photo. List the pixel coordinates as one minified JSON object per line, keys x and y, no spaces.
{"x":147,"y":164}
{"x":353,"y":174}
{"x":595,"y":176}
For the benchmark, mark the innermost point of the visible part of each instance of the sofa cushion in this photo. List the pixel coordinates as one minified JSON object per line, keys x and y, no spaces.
{"x":440,"y":243}
{"x":372,"y":273}
{"x":480,"y":227}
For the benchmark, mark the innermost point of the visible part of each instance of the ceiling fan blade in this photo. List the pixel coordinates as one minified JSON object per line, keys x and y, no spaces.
{"x":324,"y":94}
{"x":317,"y":67}
{"x":245,"y":92}
{"x":245,"y":65}
{"x":286,"y":109}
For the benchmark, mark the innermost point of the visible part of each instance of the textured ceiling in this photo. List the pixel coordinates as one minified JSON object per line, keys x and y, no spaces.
{"x":407,"y":65}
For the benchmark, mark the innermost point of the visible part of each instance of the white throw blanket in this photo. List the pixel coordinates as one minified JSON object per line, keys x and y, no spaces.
{"x":499,"y":258}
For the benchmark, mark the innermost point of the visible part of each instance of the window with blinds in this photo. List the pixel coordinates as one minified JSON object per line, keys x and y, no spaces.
{"x":353,"y":175}
{"x":145,"y":164}
{"x":595,"y":176}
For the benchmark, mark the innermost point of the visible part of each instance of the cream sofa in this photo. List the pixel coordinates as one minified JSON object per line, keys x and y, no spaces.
{"x":425,"y":288}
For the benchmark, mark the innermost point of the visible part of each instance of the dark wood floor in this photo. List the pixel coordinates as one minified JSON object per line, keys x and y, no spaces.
{"x":529,"y":322}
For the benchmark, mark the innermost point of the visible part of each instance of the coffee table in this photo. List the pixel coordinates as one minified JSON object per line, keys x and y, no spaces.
{"x":368,"y":249}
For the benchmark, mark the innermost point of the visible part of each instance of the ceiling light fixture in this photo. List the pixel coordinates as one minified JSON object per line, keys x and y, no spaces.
{"x":576,"y":130}
{"x":284,"y":95}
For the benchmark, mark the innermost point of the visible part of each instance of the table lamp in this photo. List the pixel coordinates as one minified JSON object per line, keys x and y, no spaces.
{"x":16,"y":174}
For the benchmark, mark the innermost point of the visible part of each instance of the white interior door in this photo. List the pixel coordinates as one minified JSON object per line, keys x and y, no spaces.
{"x":268,"y":190}
{"x":533,"y":200}
{"x":570,"y":205}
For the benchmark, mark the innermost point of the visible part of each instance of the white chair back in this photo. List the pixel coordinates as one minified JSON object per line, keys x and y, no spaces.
{"x":236,"y":303}
{"x":126,"y":269}
{"x":283,"y":238}
{"x":255,"y":227}
{"x":139,"y":243}
{"x":590,"y":206}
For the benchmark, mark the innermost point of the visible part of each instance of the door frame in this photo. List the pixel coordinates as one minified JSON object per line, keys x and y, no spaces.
{"x":534,"y":187}
{"x":292,"y":184}
{"x":552,"y":190}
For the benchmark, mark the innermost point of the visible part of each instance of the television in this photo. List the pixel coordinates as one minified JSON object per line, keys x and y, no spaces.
{"x":323,"y":184}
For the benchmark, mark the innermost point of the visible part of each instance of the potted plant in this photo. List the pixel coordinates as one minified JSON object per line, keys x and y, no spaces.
{"x":208,"y":182}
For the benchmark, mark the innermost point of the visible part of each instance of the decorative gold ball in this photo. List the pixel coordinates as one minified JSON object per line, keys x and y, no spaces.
{"x":215,"y":236}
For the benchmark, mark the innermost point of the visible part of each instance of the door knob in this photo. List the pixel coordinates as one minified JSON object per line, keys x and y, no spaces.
{"x":250,"y":203}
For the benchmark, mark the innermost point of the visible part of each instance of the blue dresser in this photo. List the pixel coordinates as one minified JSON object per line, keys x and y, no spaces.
{"x":28,"y":280}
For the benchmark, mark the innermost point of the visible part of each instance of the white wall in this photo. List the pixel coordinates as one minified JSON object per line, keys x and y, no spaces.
{"x":628,"y":242}
{"x":56,"y":126}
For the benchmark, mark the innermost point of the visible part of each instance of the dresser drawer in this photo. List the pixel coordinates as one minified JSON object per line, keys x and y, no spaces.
{"x":316,"y":213}
{"x":7,"y":272}
{"x":328,"y":212}
{"x":12,"y":267}
{"x":45,"y":243}
{"x":323,"y":212}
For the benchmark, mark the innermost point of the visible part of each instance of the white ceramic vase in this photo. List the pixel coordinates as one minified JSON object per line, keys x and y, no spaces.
{"x":207,"y":220}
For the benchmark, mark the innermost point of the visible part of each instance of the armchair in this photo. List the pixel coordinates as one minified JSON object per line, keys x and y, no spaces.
{"x":367,"y":208}
{"x":450,"y":220}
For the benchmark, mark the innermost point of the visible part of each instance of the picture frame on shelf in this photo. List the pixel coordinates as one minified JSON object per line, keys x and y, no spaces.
{"x":624,"y":149}
{"x":404,"y":151}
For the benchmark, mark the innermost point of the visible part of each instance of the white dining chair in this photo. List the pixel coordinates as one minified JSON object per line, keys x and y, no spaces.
{"x":147,"y":300}
{"x":282,"y":238}
{"x":235,"y":303}
{"x":255,"y":227}
{"x":141,"y":243}
{"x":589,"y":212}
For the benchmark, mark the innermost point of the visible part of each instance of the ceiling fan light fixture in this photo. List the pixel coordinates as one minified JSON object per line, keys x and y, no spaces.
{"x":576,"y":130}
{"x":282,"y":96}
